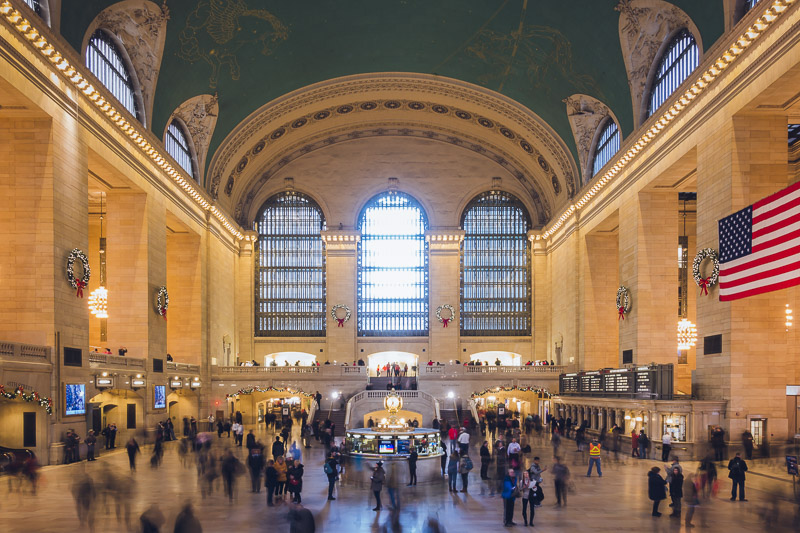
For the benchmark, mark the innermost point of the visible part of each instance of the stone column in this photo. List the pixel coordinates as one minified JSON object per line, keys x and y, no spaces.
{"x":600,"y":340}
{"x":444,"y":265}
{"x":648,"y":238}
{"x":744,"y":161}
{"x":341,"y":249}
{"x":540,"y":307}
{"x":245,"y":288}
{"x":184,"y":275}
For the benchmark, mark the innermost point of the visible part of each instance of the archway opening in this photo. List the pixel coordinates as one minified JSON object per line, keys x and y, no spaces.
{"x":497,"y":358}
{"x":121,"y":408}
{"x":290,"y":359}
{"x":381,"y":363}
{"x":182,"y":406}
{"x":512,"y":403}
{"x":270,"y":405}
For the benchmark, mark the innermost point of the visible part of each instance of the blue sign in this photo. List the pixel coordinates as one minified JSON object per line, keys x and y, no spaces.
{"x":791,"y":465}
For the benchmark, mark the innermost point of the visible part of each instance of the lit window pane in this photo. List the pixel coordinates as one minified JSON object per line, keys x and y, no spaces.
{"x":36,"y":5}
{"x":680,"y":59}
{"x":290,"y":272}
{"x":393,"y":267}
{"x":607,"y":146}
{"x":178,"y":147}
{"x":105,"y":62}
{"x":495,"y":268}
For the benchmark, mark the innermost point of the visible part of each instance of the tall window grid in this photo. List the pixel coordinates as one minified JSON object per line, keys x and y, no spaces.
{"x":750,"y":4}
{"x":607,"y":146}
{"x":495,"y":267}
{"x":105,"y":61}
{"x":36,"y":5}
{"x":290,"y":271}
{"x":393,"y":267}
{"x":680,"y":59}
{"x":793,"y":131}
{"x":177,"y":146}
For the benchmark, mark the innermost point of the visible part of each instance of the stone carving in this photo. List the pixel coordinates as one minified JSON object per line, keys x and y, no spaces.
{"x":644,"y":26}
{"x":141,"y":26}
{"x":199,"y":114}
{"x":585,"y":115}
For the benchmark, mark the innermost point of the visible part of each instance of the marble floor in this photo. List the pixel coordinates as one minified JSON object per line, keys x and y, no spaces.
{"x":617,"y":501}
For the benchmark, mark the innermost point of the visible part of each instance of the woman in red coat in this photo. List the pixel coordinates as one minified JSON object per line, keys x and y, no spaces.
{"x":634,"y":444}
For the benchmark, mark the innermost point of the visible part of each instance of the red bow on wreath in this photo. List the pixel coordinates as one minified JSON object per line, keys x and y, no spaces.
{"x":445,"y":321}
{"x":340,"y":322}
{"x":81,"y":285}
{"x":704,"y":284}
{"x":164,"y":313}
{"x":621,"y":313}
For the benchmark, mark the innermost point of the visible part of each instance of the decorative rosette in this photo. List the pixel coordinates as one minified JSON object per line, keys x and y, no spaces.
{"x":445,"y":320}
{"x":162,"y":301}
{"x":78,"y":284}
{"x":623,"y":302}
{"x":335,"y":314}
{"x":710,"y":281}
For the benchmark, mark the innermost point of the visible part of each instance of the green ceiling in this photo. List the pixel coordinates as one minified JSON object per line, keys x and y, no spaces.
{"x":263,"y":49}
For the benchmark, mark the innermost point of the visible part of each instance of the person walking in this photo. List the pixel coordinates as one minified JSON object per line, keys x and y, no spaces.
{"x":464,"y":466}
{"x":737,"y":467}
{"x":443,"y":457}
{"x":561,"y":479}
{"x":452,"y":471}
{"x":666,"y":446}
{"x":463,"y":442}
{"x":230,"y":469}
{"x":594,"y":458}
{"x":452,"y":436}
{"x":186,"y":521}
{"x":301,"y":520}
{"x":747,"y":444}
{"x":486,"y":460}
{"x":692,"y":497}
{"x":132,"y":448}
{"x":255,"y":463}
{"x":90,"y":441}
{"x":270,"y":482}
{"x":280,"y":468}
{"x":278,"y":449}
{"x":676,"y":491}
{"x":655,"y":488}
{"x":644,"y":444}
{"x":634,"y":444}
{"x":412,"y":466}
{"x":509,"y":494}
{"x":331,"y":469}
{"x":376,"y":484}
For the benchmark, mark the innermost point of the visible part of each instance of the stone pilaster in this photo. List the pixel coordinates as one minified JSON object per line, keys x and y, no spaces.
{"x":341,"y":252}
{"x":245,"y":298}
{"x":600,"y":340}
{"x":444,"y":247}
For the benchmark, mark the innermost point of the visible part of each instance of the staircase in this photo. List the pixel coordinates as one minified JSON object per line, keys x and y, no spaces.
{"x":336,"y":416}
{"x":449,"y":415}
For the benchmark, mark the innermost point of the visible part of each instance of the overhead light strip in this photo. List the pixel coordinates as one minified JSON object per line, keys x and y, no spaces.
{"x":71,"y":73}
{"x":750,"y":35}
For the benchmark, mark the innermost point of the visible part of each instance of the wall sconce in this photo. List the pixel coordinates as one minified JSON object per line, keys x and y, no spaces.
{"x":138,"y":382}
{"x":104,"y":381}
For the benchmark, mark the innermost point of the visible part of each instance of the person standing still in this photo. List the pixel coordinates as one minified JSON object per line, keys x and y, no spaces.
{"x":676,"y":492}
{"x":509,"y":494}
{"x":737,"y":467}
{"x":655,"y":488}
{"x":412,"y":466}
{"x":376,"y":485}
{"x":594,"y":458}
{"x":91,"y":441}
{"x":666,"y":446}
{"x":270,"y":481}
{"x":486,"y":459}
{"x":561,"y":478}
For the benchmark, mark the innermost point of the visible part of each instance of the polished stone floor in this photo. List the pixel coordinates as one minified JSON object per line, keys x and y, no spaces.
{"x":616,"y":502}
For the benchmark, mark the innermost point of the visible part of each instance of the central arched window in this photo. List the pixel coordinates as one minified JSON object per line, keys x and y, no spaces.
{"x":290,"y":268}
{"x":495,"y":267}
{"x":607,"y":146}
{"x":104,"y":59}
{"x":679,"y":60}
{"x":393,"y":267}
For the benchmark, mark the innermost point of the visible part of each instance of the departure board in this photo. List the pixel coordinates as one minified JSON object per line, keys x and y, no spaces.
{"x":651,"y":382}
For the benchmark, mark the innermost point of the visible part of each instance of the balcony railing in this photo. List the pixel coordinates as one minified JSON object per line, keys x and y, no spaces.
{"x":116,"y":360}
{"x":183,"y":367}
{"x":462,"y":370}
{"x":24,"y":352}
{"x":308,"y":371}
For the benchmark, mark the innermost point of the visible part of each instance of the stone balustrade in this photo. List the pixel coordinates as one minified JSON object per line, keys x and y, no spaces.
{"x":14,"y":351}
{"x":116,"y":361}
{"x":182,"y":367}
{"x":309,"y":372}
{"x":470,"y":371}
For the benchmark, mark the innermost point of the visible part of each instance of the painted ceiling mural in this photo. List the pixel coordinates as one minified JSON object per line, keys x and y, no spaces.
{"x":249,"y":52}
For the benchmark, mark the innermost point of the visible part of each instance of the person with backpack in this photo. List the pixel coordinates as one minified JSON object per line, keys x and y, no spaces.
{"x":737,"y":468}
{"x":331,"y":470}
{"x":464,"y":466}
{"x":412,"y":467}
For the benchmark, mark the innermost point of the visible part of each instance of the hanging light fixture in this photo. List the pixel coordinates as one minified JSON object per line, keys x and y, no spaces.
{"x":98,"y":299}
{"x":687,"y":334}
{"x":789,"y":317}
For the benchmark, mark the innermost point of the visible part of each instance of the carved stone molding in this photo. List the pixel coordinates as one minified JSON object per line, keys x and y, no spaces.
{"x":438,"y":100}
{"x":199,"y":115}
{"x":141,"y":27}
{"x":586,"y":114}
{"x":644,"y":28}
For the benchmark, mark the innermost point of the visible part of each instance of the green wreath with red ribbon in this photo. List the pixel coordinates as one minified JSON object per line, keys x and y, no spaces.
{"x":78,"y":283}
{"x":705,"y":282}
{"x":623,"y":302}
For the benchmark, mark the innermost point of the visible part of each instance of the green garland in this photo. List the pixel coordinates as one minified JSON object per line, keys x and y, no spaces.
{"x":47,"y":403}
{"x":251,"y":390}
{"x":488,"y":390}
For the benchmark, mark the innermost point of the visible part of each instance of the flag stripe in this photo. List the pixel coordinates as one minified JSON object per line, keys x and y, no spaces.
{"x":763,"y":258}
{"x":776,"y":223}
{"x":764,"y":215}
{"x":780,"y":197}
{"x":776,"y":241}
{"x":789,"y":264}
{"x":790,"y":280}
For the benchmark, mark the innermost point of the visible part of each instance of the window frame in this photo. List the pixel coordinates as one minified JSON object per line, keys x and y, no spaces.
{"x":503,"y":318}
{"x":601,"y":144}
{"x":316,"y":290}
{"x":189,"y":146}
{"x":374,"y":310}
{"x":124,"y":78}
{"x":661,"y":80}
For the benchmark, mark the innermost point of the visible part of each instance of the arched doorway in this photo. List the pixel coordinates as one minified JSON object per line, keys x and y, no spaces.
{"x":491,"y":358}
{"x":511,"y":403}
{"x":256,"y":404}
{"x":124,"y":408}
{"x":183,"y":403}
{"x":290,"y":359}
{"x":383,"y":359}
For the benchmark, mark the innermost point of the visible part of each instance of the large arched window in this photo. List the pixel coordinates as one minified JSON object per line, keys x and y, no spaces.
{"x":176,"y":141}
{"x":392,"y":267}
{"x":679,"y":60}
{"x":105,"y":61}
{"x":290,"y":270}
{"x":495,"y":267}
{"x":607,"y":146}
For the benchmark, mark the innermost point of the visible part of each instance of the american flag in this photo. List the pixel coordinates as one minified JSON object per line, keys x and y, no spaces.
{"x":760,"y":246}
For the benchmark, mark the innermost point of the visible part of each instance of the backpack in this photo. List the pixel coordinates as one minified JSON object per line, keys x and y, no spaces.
{"x":328,"y":469}
{"x":468,"y":464}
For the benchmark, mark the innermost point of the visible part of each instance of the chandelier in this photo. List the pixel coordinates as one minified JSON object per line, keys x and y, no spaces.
{"x":98,"y":302}
{"x":98,"y":299}
{"x":687,"y":334}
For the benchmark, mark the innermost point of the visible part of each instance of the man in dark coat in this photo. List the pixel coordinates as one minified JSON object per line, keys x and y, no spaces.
{"x":90,"y":441}
{"x":376,"y":485}
{"x":655,"y":488}
{"x":277,"y":448}
{"x":187,"y":522}
{"x":412,"y":466}
{"x":255,"y":463}
{"x":301,"y":520}
{"x":737,"y":467}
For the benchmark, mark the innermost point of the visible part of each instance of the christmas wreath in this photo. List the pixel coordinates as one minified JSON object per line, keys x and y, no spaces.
{"x":335,"y":314}
{"x":623,"y":301}
{"x":76,"y":283}
{"x":162,"y":301}
{"x":445,"y":320}
{"x":710,"y":281}
{"x":47,"y":403}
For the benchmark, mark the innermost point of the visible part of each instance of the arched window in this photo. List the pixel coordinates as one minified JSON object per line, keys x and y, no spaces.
{"x":176,"y":142}
{"x":105,"y":61}
{"x":607,"y":146}
{"x":794,"y":134}
{"x":290,"y":271}
{"x":750,"y":4}
{"x":495,"y":267}
{"x":393,"y":267}
{"x":679,"y":60}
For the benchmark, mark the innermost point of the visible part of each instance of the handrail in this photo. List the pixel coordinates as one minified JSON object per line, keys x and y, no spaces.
{"x":312,"y":411}
{"x":473,"y":409}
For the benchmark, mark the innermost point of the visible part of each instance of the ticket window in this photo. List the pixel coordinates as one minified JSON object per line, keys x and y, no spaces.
{"x":758,"y":428}
{"x":676,"y":426}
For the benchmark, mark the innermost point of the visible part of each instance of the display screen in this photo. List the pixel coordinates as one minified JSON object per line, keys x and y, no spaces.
{"x":75,"y":399}
{"x":159,"y":397}
{"x":386,"y":446}
{"x":404,"y":446}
